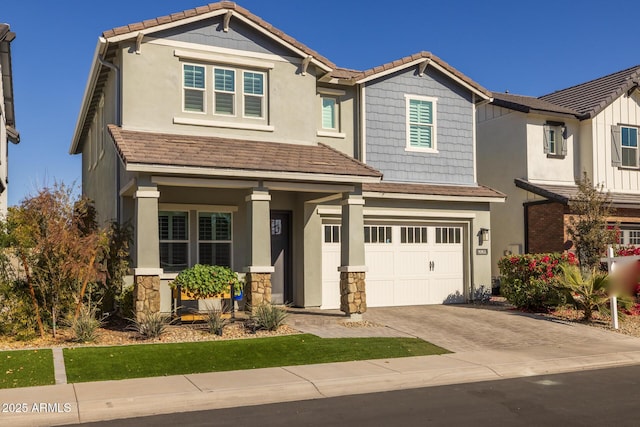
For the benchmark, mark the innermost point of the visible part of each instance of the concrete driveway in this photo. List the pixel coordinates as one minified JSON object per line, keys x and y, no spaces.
{"x":464,"y":328}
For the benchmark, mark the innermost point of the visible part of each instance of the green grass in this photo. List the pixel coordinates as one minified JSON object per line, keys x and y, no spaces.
{"x":26,"y":368}
{"x":138,"y":361}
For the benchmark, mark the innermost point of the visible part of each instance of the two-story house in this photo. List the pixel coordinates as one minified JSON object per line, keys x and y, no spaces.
{"x":536,"y":149}
{"x":8,"y":132}
{"x":225,"y":141}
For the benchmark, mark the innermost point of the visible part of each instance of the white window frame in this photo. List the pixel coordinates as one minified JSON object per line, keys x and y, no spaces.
{"x":414,"y":234}
{"x":439,"y":235}
{"x":188,"y":224}
{"x":336,"y":115}
{"x":214,"y":211}
{"x":387,"y":232}
{"x":434,"y":123}
{"x":623,"y":147}
{"x":334,"y":233}
{"x":203,"y":90}
{"x":234,"y":93}
{"x":262,"y":97}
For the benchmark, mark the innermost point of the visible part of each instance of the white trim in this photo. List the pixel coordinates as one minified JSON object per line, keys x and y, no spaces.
{"x":203,"y":90}
{"x":220,"y":59}
{"x":214,"y":91}
{"x":175,"y":181}
{"x":258,"y":197}
{"x":128,"y":188}
{"x":363,"y":124}
{"x":222,"y":50}
{"x":148,"y":271}
{"x":263,"y":97}
{"x":146,"y":194}
{"x":434,"y":197}
{"x":353,"y":268}
{"x":434,"y":123}
{"x":352,"y":201}
{"x":185,"y":207}
{"x":258,"y":174}
{"x":169,"y":276}
{"x":415,"y":213}
{"x":331,"y":91}
{"x":335,"y":113}
{"x":258,"y":269}
{"x":221,"y":124}
{"x":327,"y":134}
{"x":473,"y":137}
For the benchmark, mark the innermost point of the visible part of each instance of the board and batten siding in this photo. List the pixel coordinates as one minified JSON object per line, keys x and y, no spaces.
{"x":623,"y":111}
{"x":386,"y":139}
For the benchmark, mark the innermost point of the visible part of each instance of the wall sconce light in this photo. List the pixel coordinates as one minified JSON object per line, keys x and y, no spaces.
{"x":484,"y":234}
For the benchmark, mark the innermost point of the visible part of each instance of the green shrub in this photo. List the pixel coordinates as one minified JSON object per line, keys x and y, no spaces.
{"x":269,"y":316}
{"x":17,"y":318}
{"x":529,"y":281}
{"x":125,"y":302}
{"x":206,"y":281}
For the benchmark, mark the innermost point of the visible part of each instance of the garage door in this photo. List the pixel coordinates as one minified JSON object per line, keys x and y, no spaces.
{"x":407,"y":265}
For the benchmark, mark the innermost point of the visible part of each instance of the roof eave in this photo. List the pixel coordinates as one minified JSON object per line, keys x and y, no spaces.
{"x":101,"y":48}
{"x":433,"y":197}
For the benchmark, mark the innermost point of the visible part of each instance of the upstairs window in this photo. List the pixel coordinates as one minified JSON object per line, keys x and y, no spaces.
{"x":555,"y":139}
{"x":253,"y":87}
{"x":194,"y":88}
{"x":629,"y":139}
{"x":329,"y":113}
{"x":224,"y":91}
{"x":421,"y":122}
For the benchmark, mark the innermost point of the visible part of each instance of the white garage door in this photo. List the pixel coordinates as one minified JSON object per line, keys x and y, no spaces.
{"x":407,"y":265}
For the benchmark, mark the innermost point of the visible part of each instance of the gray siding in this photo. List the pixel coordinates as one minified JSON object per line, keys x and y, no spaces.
{"x":239,"y":36}
{"x":386,"y":129}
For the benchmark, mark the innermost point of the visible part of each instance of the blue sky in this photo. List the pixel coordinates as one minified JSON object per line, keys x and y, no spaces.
{"x":529,"y":48}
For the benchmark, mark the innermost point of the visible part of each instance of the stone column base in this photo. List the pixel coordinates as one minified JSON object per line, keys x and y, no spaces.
{"x":257,"y":290}
{"x":146,"y":295}
{"x":353,"y":297}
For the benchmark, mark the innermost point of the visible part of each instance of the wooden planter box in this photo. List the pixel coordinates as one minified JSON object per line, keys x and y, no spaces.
{"x":191,"y":314}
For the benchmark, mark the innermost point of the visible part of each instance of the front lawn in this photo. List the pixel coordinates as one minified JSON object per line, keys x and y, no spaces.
{"x":26,"y":368}
{"x":150,"y":360}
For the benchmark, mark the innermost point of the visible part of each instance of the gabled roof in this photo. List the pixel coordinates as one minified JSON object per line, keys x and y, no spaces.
{"x":226,"y":156}
{"x":565,"y":193}
{"x":593,"y":96}
{"x":527,"y":104}
{"x":428,"y":58}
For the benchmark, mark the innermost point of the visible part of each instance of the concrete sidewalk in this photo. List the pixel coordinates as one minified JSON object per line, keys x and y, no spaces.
{"x":488,"y":345}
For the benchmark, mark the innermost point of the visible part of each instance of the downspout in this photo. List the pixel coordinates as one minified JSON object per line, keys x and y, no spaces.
{"x":118,"y":122}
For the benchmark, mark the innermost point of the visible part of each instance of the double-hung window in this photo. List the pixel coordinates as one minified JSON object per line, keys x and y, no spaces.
{"x":173,"y":230}
{"x":329,"y":113}
{"x":421,"y":122}
{"x":193,"y":83}
{"x":214,"y":238}
{"x":629,"y":142}
{"x":555,"y":139}
{"x":253,"y":91}
{"x":224,"y":92}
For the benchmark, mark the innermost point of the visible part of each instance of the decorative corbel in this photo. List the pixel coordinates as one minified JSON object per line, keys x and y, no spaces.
{"x":636,"y":86}
{"x":227,"y":19}
{"x":139,"y":38}
{"x":423,"y":66}
{"x":305,"y":64}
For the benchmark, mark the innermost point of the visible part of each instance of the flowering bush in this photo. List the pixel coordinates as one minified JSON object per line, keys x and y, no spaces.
{"x":528,"y":281}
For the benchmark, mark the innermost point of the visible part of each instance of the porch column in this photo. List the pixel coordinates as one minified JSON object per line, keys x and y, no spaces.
{"x":147,"y":272}
{"x":257,"y":288}
{"x":353,"y":298}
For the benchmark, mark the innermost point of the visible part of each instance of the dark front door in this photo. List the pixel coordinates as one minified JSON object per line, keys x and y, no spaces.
{"x":281,"y":289}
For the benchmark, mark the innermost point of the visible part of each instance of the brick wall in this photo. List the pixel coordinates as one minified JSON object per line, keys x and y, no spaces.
{"x":546,"y":227}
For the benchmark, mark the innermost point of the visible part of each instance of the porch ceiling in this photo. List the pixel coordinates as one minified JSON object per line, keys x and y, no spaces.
{"x":193,"y":155}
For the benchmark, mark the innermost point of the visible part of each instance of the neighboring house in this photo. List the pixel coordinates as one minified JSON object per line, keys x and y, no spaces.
{"x":225,"y":141}
{"x":535,"y":149}
{"x":8,"y":131}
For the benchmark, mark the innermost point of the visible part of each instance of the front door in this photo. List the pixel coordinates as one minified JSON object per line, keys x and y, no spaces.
{"x":281,"y":289}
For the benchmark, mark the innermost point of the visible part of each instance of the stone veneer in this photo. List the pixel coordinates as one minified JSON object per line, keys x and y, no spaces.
{"x":146,"y":295}
{"x":257,"y":289}
{"x":353,"y":298}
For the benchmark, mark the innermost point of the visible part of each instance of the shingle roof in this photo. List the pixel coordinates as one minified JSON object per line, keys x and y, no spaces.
{"x":528,"y":103}
{"x":212,"y":7}
{"x":343,"y":73}
{"x":591,"y":97}
{"x":565,"y":193}
{"x":149,"y":148}
{"x":433,"y":189}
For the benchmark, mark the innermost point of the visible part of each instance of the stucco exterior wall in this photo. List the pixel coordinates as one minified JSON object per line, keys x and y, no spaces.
{"x":386,"y":124}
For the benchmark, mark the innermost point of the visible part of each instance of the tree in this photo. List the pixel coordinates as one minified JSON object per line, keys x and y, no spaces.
{"x":588,"y":226}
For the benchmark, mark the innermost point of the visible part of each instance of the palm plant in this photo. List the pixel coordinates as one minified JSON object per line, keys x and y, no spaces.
{"x":588,"y":291}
